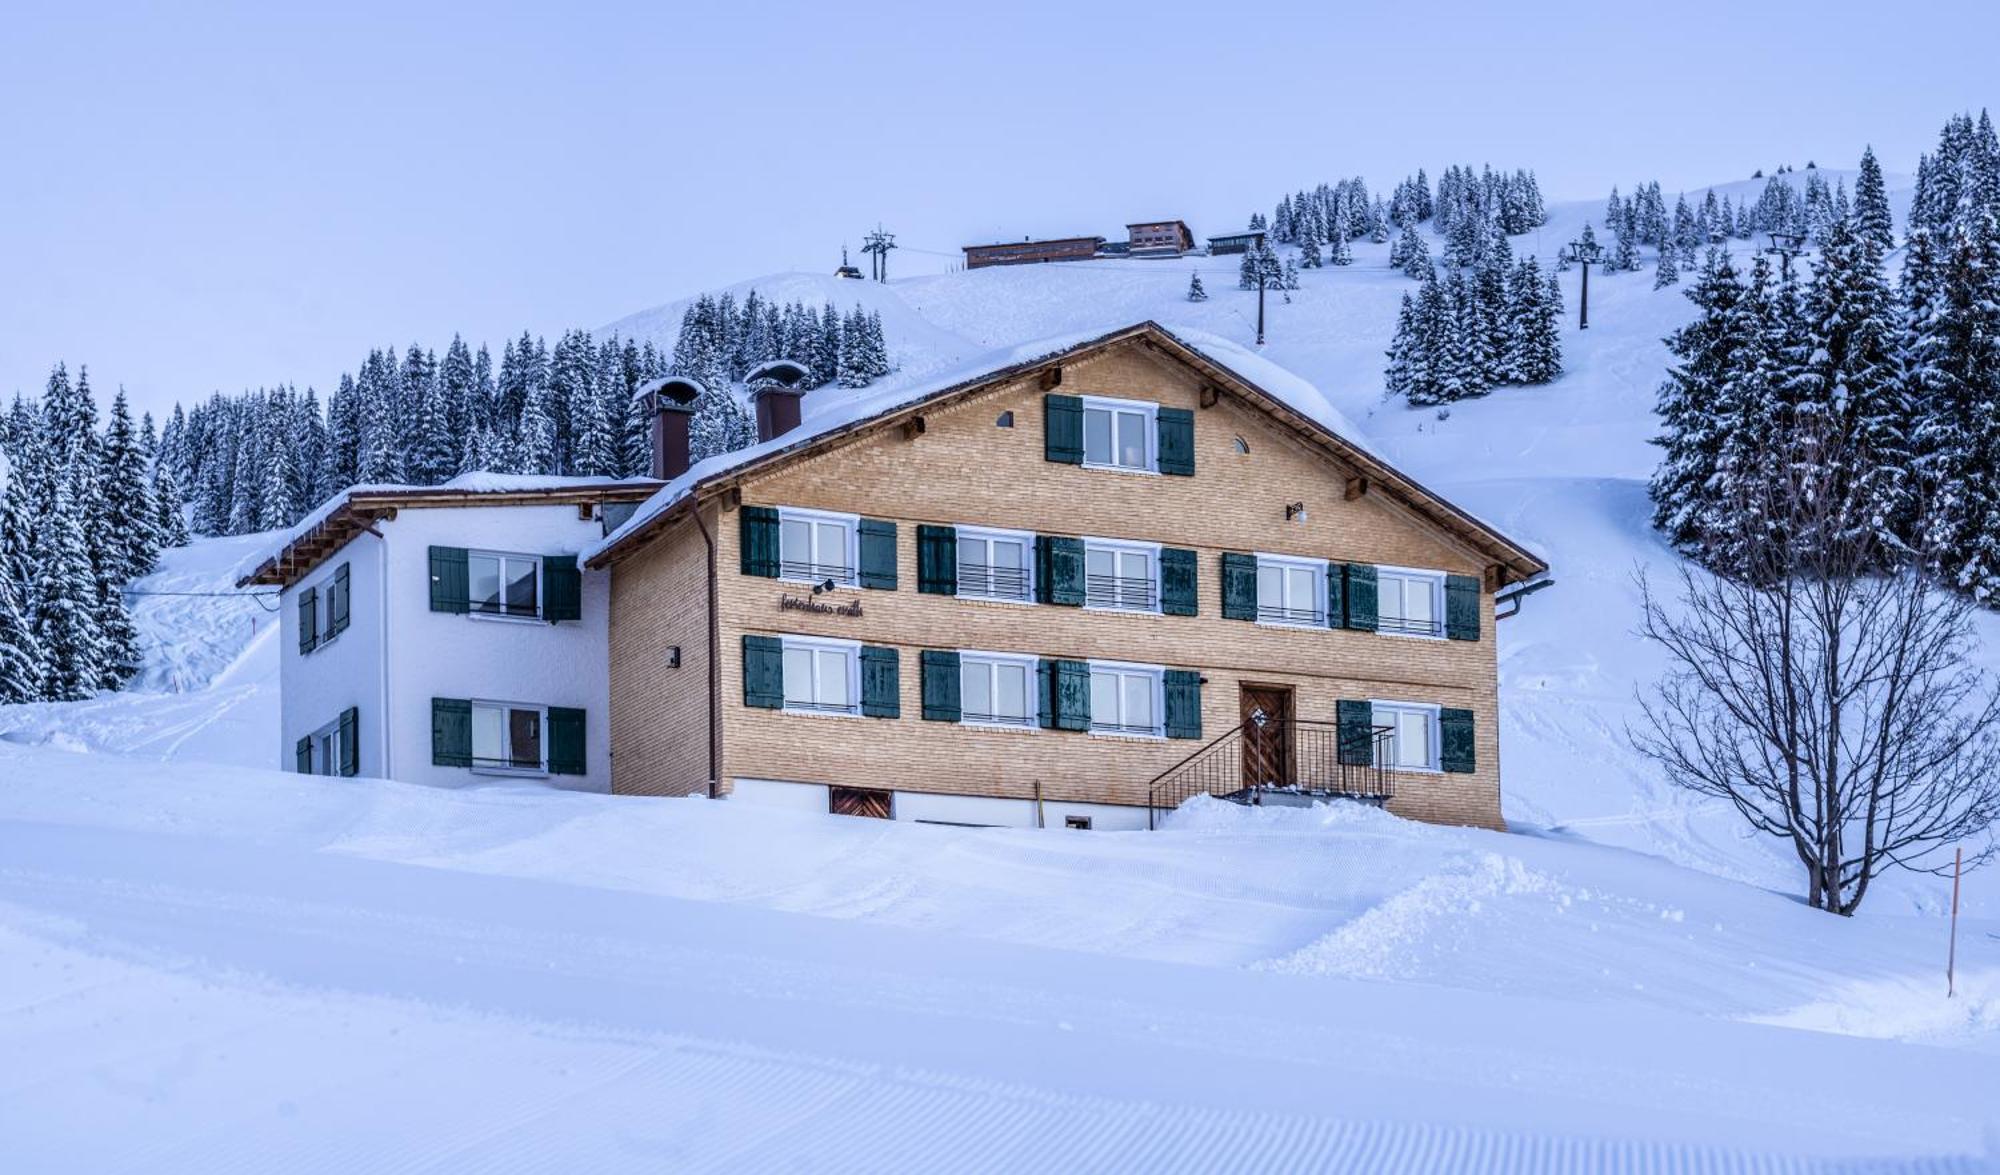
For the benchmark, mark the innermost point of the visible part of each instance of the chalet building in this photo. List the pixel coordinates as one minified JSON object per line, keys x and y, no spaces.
{"x":1070,"y":587}
{"x":1159,"y":238}
{"x":1031,"y":252}
{"x":443,"y":635}
{"x":1234,"y":242}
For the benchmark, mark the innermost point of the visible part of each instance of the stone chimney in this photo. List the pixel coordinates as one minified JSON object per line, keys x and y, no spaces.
{"x":671,"y":405}
{"x":775,"y":391}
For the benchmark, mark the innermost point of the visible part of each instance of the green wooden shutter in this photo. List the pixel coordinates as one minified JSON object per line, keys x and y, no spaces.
{"x":1356,"y":723}
{"x":1336,"y":595}
{"x":1072,"y":695}
{"x":1361,"y":597}
{"x":763,"y":672}
{"x":308,"y":620}
{"x":451,"y":590}
{"x":302,"y":755}
{"x":562,"y":588}
{"x":451,"y":732}
{"x":1062,"y":428}
{"x":566,"y":754}
{"x":759,"y":553}
{"x":941,"y":685}
{"x":337,"y":602}
{"x":1176,"y":426}
{"x":1058,"y":569}
{"x":878,"y":554}
{"x":1461,"y":607}
{"x":937,"y":560}
{"x":1239,"y":586}
{"x":1183,"y":690}
{"x":1045,"y":694}
{"x":350,"y":744}
{"x":881,"y":683}
{"x":1178,"y":583}
{"x":1455,"y":743}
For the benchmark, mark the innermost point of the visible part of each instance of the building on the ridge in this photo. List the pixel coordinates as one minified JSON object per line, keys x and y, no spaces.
{"x":1071,"y":585}
{"x":1234,"y":242}
{"x":1159,"y":238}
{"x":446,"y":634}
{"x":1029,"y":252}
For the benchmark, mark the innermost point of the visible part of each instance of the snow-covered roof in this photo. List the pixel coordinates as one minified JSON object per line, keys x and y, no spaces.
{"x":824,"y":415}
{"x":477,"y":487}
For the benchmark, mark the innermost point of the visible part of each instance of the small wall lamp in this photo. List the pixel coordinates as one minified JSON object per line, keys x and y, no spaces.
{"x":1296,"y":512}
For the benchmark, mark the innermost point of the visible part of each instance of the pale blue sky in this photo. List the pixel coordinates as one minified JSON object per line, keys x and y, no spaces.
{"x":201,"y":196}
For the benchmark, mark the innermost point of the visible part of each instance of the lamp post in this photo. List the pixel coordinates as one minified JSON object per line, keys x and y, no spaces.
{"x":1257,"y":251}
{"x":1786,"y":246}
{"x":1583,"y":251}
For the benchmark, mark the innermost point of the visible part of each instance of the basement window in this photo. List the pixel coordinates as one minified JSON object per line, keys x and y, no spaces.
{"x":1082,"y":822}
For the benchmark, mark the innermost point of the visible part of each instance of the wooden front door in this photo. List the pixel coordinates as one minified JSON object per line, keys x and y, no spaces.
{"x":858,"y":801}
{"x":1267,"y":735}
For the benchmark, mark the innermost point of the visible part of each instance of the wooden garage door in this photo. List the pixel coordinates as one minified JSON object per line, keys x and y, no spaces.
{"x":858,"y":801}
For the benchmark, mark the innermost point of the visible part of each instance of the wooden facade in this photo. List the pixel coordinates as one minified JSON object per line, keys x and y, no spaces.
{"x":1032,"y":252}
{"x":1159,"y":238}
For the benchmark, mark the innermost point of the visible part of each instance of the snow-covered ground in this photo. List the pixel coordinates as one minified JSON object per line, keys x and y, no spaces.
{"x":207,"y":964}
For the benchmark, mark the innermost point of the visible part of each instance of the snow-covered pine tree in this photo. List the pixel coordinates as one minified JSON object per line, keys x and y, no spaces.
{"x":66,"y":621}
{"x":1871,"y":205}
{"x":1396,"y":378}
{"x":170,"y":512}
{"x":1412,"y":255}
{"x":1697,"y":407}
{"x":1309,"y":240}
{"x":1536,"y":337}
{"x":537,"y":453}
{"x":1668,"y":270}
{"x":20,"y":654}
{"x":1194,"y":292}
{"x":130,"y":540}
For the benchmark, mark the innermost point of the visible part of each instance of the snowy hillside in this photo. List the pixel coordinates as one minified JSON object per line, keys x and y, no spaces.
{"x":210,"y":964}
{"x":1562,"y":467}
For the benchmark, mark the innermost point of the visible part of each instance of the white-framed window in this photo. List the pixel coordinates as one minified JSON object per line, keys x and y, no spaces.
{"x":1413,"y":741}
{"x":1409,"y":602}
{"x":822,"y":676}
{"x":510,"y":737}
{"x":1120,"y":434}
{"x":1291,"y":590}
{"x":504,"y":584}
{"x":996,"y":689}
{"x":1121,"y":575}
{"x":1127,"y":699}
{"x":996,"y":564}
{"x":818,"y":545}
{"x":324,"y":751}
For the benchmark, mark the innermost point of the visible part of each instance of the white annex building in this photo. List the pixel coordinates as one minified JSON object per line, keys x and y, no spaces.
{"x":442,"y":634}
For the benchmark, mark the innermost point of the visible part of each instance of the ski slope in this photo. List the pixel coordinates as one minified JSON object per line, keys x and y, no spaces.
{"x":209,"y":965}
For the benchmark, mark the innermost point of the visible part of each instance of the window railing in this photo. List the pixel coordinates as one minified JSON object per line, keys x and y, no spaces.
{"x":1267,"y":614}
{"x":1112,"y":591}
{"x":1123,"y":728}
{"x":505,"y":764}
{"x":999,"y":719}
{"x":824,"y":707}
{"x":815,"y":572}
{"x":1407,"y":627}
{"x":501,"y":608}
{"x":981,"y":579}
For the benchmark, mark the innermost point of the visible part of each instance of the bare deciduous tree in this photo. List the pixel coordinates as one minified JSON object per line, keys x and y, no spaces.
{"x":1824,"y":685}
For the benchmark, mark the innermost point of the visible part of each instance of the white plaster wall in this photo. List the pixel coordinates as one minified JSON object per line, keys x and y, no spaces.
{"x":446,"y":655}
{"x":773,"y":793}
{"x":315,"y":687}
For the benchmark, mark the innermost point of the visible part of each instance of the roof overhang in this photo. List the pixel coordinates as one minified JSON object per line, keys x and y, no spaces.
{"x":361,"y":509}
{"x":1518,"y":563}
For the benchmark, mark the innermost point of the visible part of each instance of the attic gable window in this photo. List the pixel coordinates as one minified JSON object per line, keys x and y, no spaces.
{"x":1120,"y":434}
{"x":815,"y":545}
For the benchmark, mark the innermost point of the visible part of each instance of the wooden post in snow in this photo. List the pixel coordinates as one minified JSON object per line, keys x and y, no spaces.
{"x":1951,"y":956}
